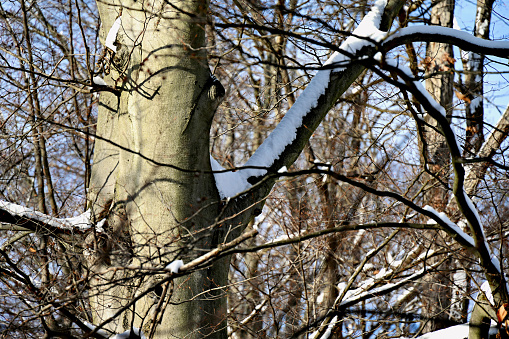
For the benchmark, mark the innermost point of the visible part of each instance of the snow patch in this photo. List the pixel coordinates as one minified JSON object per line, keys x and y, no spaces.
{"x":453,"y":332}
{"x":99,"y":81}
{"x":450,"y":32}
{"x":128,"y":334}
{"x":175,"y":266}
{"x":452,"y":226}
{"x":82,"y":222}
{"x":230,"y":183}
{"x":328,"y":332}
{"x":485,"y":287}
{"x":111,"y":38}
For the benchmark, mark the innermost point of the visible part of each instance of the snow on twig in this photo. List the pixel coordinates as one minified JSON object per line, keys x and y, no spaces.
{"x":228,"y":184}
{"x":260,"y":307}
{"x":129,"y":334}
{"x":417,"y":84}
{"x":81,"y":222}
{"x":99,"y":81}
{"x":328,"y":332}
{"x":175,"y":266}
{"x":486,"y":289}
{"x":464,"y":40}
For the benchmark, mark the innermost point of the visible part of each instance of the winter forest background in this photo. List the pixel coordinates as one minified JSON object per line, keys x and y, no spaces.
{"x":377,"y":209}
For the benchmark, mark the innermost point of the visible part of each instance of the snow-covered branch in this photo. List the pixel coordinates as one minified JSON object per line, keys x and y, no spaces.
{"x":287,"y":140}
{"x":33,"y":220}
{"x":487,"y":260}
{"x":452,"y":36}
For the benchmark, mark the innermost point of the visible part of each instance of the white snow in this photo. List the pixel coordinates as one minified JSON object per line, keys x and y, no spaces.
{"x":452,"y":226}
{"x":485,"y":287}
{"x":99,"y":81}
{"x":450,"y":32}
{"x":286,"y":130}
{"x":92,"y":327}
{"x":112,"y":35}
{"x":175,"y":266}
{"x":472,"y":207}
{"x":381,"y":289}
{"x":475,"y":103}
{"x":127,"y":334}
{"x":82,"y":222}
{"x":286,"y":236}
{"x":418,"y":85}
{"x":260,"y":307}
{"x":229,"y":184}
{"x":328,"y":332}
{"x":453,"y":332}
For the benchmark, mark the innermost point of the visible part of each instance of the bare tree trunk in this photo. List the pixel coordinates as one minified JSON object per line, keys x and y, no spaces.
{"x":440,"y":63}
{"x":159,"y":204}
{"x":473,"y":90}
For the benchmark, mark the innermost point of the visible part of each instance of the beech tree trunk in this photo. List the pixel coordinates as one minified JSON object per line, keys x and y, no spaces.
{"x":162,"y":117}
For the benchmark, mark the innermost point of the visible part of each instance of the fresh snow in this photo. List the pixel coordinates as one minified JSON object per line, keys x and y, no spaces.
{"x":127,"y":334}
{"x":453,"y":332}
{"x":493,"y":258}
{"x":92,"y":327}
{"x":99,"y":81}
{"x":381,"y":289}
{"x":82,"y":222}
{"x":450,"y":32}
{"x":328,"y":332}
{"x":175,"y":266}
{"x":112,"y":35}
{"x":418,"y":85}
{"x":452,"y":226}
{"x":230,"y":183}
{"x":286,"y":130}
{"x":485,"y":287}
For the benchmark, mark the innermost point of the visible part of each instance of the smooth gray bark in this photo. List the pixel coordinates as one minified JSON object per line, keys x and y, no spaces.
{"x":158,"y":212}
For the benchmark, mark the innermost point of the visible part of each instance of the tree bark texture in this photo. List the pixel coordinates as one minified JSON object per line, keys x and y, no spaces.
{"x":158,"y":212}
{"x":440,"y":65}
